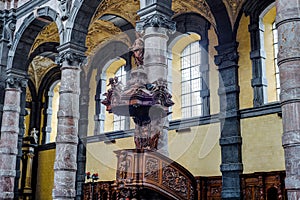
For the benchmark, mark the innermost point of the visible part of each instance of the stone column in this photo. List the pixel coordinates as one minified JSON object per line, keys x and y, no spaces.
{"x":155,"y":23}
{"x":258,"y":56}
{"x":9,"y":132}
{"x":230,"y":141}
{"x":83,"y":128}
{"x":288,"y":25}
{"x":65,"y":166}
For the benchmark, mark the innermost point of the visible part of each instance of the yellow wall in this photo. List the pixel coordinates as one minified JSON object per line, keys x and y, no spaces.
{"x":198,"y":150}
{"x":45,"y":175}
{"x":55,"y":105}
{"x":262,"y":149}
{"x":102,"y":159}
{"x":245,"y":65}
{"x":213,"y":73}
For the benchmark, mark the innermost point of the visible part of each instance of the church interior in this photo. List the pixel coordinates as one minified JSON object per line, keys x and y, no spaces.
{"x":150,"y":99}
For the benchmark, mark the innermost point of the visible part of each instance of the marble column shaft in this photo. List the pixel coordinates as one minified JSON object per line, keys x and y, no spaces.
{"x":9,"y":138}
{"x":65,"y":165}
{"x":288,"y":25}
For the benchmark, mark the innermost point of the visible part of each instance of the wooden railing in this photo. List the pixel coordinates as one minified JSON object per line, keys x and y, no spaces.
{"x":139,"y":171}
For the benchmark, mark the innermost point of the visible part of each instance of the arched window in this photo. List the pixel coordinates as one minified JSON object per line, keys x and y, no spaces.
{"x":52,"y":109}
{"x":120,"y":121}
{"x":191,"y":81}
{"x":275,"y":47}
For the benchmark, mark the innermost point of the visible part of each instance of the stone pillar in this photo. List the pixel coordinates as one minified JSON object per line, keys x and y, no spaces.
{"x":65,"y":165}
{"x":9,"y":133}
{"x":155,"y":23}
{"x":83,"y":128}
{"x":230,"y":141}
{"x":258,"y":56}
{"x":8,"y":21}
{"x":288,"y":25}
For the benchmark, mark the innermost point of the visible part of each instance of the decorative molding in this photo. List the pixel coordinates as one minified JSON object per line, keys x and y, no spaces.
{"x":65,"y":8}
{"x":8,"y":32}
{"x":233,"y":7}
{"x":156,"y":20}
{"x":197,"y":6}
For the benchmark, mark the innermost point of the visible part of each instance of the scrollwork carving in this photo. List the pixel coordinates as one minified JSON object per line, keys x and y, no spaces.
{"x":151,"y":171}
{"x":9,"y":30}
{"x":65,"y":8}
{"x":175,"y":181}
{"x":156,"y":20}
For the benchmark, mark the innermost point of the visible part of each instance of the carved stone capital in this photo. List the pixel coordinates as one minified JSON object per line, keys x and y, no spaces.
{"x":16,"y":82}
{"x":227,"y":52}
{"x":72,"y":58}
{"x":156,"y":20}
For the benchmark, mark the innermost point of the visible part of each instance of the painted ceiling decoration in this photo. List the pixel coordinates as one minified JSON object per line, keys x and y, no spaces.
{"x":233,"y":8}
{"x":197,"y":6}
{"x":124,"y":9}
{"x":48,"y":34}
{"x":38,"y":69}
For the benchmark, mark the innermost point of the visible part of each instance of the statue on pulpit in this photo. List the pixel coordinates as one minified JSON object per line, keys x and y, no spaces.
{"x":138,"y":50}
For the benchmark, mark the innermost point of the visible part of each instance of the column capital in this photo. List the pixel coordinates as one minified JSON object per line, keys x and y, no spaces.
{"x":226,"y":52}
{"x":156,"y":20}
{"x":71,"y":53}
{"x":16,"y":79}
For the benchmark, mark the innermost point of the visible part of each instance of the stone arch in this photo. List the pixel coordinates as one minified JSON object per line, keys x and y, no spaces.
{"x":79,"y":21}
{"x":223,"y":25}
{"x":47,"y":49}
{"x":191,"y":22}
{"x":26,"y":34}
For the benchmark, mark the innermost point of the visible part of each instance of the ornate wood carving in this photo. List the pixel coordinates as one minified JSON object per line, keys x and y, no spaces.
{"x":151,"y":169}
{"x":175,"y":181}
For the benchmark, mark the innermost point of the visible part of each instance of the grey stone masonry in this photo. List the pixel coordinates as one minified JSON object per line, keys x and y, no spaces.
{"x":65,"y":165}
{"x":9,"y":133}
{"x":288,"y":25}
{"x":230,"y":141}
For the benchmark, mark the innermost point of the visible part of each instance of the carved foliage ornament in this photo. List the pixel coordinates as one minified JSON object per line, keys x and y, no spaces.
{"x":175,"y":181}
{"x":151,"y":171}
{"x":16,"y":82}
{"x":156,"y":20}
{"x":72,"y":58}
